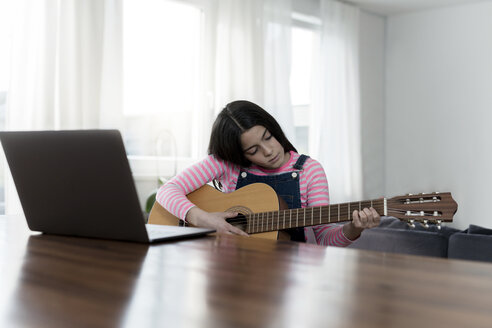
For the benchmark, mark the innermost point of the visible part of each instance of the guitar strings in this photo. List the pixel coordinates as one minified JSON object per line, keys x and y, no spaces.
{"x":274,"y":220}
{"x":300,"y":214}
{"x":343,"y":210}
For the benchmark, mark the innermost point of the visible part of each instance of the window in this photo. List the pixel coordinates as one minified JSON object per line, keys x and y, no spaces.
{"x":304,"y":41}
{"x":5,"y":42}
{"x":162,"y":51}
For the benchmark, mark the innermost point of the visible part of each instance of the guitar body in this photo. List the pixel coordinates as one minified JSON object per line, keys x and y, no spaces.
{"x":253,"y":198}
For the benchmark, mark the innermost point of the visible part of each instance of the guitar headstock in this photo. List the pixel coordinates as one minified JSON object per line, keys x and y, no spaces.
{"x":425,"y":208}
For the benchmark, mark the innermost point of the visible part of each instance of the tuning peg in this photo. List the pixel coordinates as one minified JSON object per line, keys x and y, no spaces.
{"x":411,"y":223}
{"x":425,"y":224}
{"x":439,"y":224}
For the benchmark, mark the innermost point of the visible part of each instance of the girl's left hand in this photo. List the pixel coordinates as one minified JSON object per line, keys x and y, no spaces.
{"x":364,"y":219}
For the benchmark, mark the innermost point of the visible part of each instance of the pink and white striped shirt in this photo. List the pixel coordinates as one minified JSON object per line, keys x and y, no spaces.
{"x":312,"y":183}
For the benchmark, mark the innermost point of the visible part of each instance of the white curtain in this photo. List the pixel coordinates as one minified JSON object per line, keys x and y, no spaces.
{"x":277,"y":63}
{"x":335,"y":128}
{"x":66,"y":65}
{"x":67,"y":73}
{"x":252,"y":56}
{"x":66,"y":68}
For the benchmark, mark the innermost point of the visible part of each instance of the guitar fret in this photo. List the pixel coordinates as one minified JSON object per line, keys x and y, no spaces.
{"x":266,"y":222}
{"x":257,"y":224}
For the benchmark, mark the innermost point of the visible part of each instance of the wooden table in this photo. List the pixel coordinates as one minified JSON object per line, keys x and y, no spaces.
{"x":229,"y":281}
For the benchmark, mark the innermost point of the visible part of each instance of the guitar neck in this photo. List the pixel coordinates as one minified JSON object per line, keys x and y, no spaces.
{"x":309,"y":216}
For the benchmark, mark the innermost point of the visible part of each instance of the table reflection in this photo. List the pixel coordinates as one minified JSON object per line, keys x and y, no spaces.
{"x":63,"y":280}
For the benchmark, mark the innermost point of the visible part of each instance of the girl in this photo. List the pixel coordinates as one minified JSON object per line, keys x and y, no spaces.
{"x":246,"y":146}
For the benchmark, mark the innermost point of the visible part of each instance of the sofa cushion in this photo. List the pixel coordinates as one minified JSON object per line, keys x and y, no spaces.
{"x":478,"y":230}
{"x":474,"y":244}
{"x":395,"y":236}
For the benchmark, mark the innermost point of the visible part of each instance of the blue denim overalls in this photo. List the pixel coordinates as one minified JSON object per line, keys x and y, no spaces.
{"x":286,"y":185}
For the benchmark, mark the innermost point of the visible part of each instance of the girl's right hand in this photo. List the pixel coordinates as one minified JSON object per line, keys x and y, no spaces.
{"x":216,"y":220}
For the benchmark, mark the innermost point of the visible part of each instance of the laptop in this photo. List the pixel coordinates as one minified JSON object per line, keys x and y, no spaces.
{"x":79,"y":183}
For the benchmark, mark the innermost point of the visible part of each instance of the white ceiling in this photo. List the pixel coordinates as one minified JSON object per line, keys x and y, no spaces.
{"x":392,"y":7}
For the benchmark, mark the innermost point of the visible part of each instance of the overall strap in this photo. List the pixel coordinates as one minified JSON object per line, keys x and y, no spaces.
{"x":300,"y":162}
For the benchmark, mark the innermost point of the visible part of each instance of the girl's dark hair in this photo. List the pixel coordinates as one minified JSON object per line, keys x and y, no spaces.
{"x":232,"y":121}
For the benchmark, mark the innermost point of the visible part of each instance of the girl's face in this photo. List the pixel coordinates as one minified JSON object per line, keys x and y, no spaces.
{"x":261,"y":148}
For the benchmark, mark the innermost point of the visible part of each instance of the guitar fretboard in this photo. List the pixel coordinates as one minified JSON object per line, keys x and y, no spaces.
{"x":309,"y":216}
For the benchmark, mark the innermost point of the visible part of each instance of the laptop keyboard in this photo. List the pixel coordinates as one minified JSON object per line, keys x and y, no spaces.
{"x":158,"y":231}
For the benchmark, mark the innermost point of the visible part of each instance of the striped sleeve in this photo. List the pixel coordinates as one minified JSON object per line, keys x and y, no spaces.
{"x":172,"y":195}
{"x":315,"y":190}
{"x":331,"y":235}
{"x":314,"y":185}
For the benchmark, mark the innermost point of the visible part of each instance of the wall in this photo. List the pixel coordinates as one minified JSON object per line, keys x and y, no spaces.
{"x":372,"y":62}
{"x":438,"y":106}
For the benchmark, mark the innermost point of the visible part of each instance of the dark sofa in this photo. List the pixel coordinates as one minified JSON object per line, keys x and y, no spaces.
{"x":396,"y":236}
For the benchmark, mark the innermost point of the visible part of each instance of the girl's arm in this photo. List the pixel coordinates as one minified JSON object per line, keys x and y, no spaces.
{"x":172,"y":195}
{"x":317,"y":195}
{"x":315,"y":188}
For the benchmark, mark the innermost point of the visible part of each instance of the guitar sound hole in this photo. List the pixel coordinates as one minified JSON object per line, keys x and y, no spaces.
{"x":238,"y":221}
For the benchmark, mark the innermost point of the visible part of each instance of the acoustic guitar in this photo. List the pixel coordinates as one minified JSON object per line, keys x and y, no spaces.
{"x":264,"y":214}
